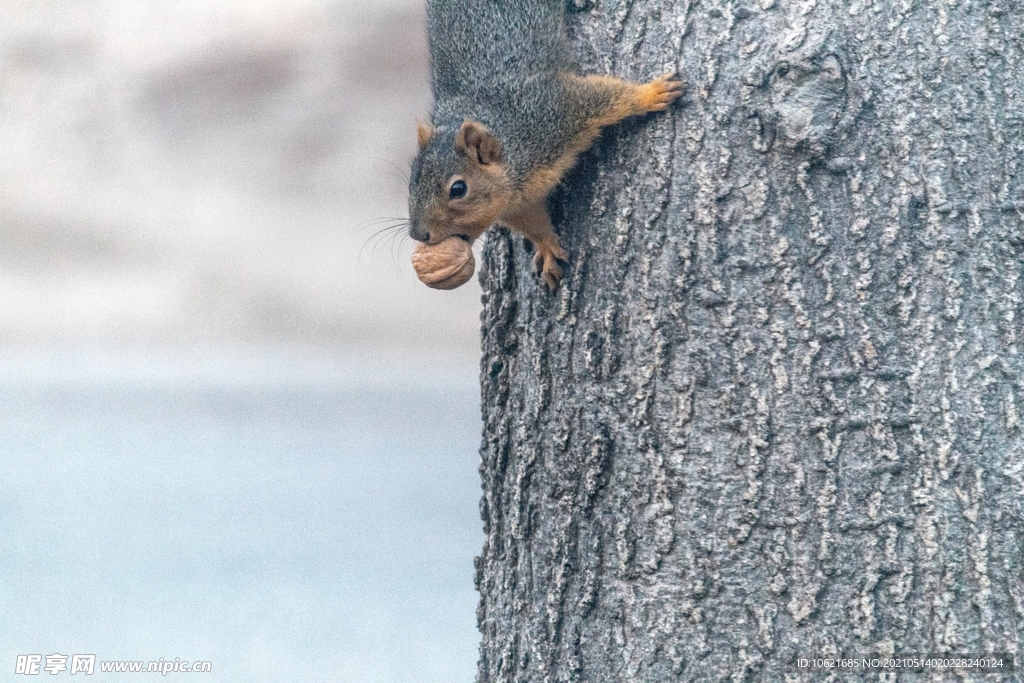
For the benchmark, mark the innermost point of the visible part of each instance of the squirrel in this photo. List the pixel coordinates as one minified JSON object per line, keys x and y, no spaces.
{"x":511,"y":116}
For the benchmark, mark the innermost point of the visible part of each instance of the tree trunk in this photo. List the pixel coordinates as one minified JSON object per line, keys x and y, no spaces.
{"x":776,"y":408}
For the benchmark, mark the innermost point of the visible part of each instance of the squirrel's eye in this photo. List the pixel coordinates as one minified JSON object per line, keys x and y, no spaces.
{"x":458,"y":189}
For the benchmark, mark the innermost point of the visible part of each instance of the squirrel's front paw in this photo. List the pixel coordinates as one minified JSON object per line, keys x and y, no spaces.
{"x":661,"y":92}
{"x":545,"y":263}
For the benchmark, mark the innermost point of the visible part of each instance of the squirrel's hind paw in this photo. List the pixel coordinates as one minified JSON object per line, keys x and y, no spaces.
{"x":545,"y":263}
{"x":661,"y":92}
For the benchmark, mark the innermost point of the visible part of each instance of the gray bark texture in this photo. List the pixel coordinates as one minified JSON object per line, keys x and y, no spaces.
{"x":776,"y":407}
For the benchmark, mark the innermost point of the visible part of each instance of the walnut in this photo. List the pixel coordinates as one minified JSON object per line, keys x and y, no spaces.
{"x":445,"y":265}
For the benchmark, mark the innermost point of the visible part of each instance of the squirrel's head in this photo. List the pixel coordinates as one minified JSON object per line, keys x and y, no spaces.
{"x":458,"y":185}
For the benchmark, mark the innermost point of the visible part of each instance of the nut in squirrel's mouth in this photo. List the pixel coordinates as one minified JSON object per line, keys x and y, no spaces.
{"x":445,"y":265}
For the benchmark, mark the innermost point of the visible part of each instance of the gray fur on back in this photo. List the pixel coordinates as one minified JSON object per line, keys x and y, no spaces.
{"x":475,"y":45}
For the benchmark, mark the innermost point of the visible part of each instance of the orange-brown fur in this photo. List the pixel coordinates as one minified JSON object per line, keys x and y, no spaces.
{"x":529,"y":215}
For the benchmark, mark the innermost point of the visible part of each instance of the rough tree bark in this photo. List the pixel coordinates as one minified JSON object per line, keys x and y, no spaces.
{"x":776,"y":407}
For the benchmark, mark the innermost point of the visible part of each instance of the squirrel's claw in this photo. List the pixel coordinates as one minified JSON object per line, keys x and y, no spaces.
{"x":661,"y":92}
{"x":545,"y":263}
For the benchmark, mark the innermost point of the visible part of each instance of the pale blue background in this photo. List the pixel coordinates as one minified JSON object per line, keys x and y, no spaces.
{"x":288,"y":517}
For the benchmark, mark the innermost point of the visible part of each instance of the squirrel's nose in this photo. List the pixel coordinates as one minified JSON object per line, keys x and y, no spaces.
{"x":419,"y":233}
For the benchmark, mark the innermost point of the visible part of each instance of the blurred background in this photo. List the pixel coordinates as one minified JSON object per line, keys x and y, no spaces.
{"x":234,"y":427}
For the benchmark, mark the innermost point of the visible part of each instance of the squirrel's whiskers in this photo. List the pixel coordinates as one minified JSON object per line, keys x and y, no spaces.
{"x":393,"y":234}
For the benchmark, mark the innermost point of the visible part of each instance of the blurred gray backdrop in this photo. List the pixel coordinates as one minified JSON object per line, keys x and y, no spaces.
{"x":234,"y":427}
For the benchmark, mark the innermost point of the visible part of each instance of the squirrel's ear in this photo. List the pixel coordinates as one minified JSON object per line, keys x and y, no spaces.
{"x":478,"y":142}
{"x":423,"y":133}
